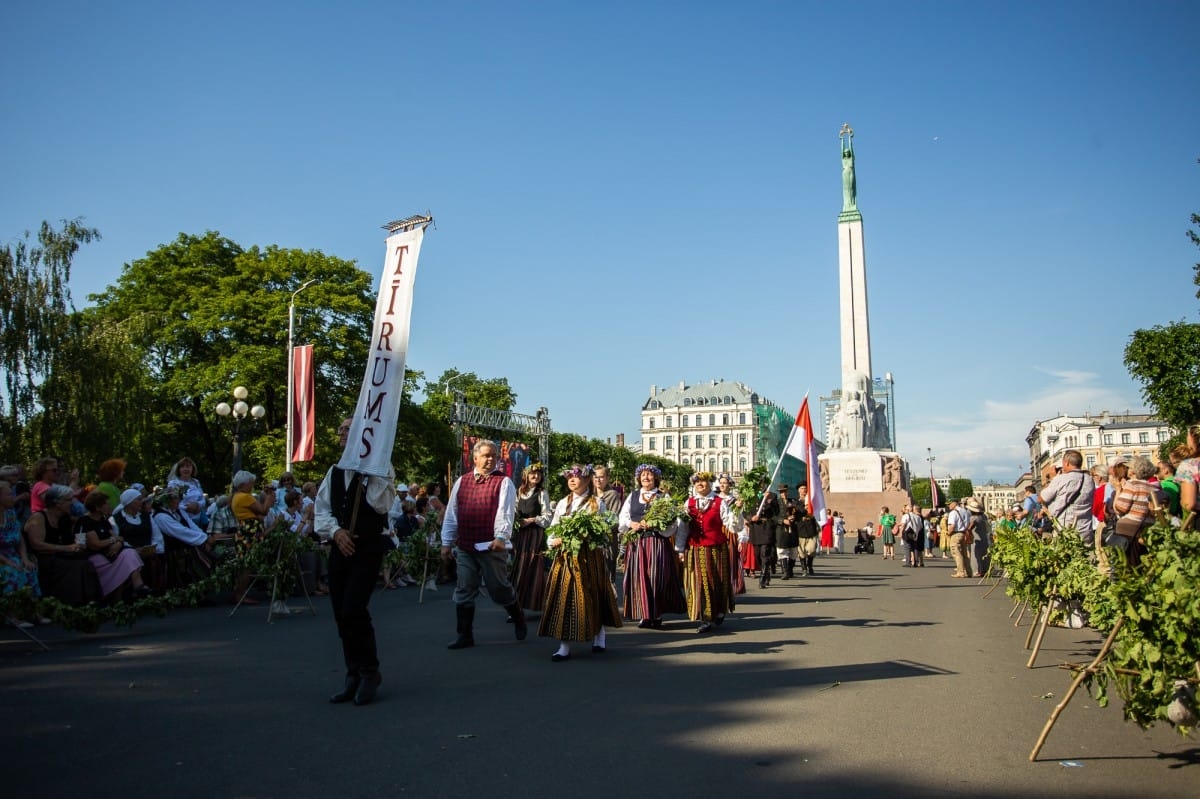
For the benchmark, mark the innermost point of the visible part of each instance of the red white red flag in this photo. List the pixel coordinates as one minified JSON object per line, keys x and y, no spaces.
{"x":801,"y":445}
{"x":303,"y":418}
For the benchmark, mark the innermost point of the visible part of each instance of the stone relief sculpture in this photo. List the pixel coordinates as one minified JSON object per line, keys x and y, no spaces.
{"x":825,"y":477}
{"x":891,"y":474}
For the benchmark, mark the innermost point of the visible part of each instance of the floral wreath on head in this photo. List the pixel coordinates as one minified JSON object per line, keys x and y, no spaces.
{"x":647,"y":467}
{"x":536,"y":466}
{"x":705,"y":476}
{"x":163,"y":496}
{"x":725,"y":476}
{"x":581,"y":470}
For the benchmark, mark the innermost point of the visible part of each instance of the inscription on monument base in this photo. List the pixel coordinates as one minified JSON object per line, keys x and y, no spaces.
{"x":854,"y":472}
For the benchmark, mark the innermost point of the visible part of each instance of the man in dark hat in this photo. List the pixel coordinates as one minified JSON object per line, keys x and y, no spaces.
{"x":786,"y":540}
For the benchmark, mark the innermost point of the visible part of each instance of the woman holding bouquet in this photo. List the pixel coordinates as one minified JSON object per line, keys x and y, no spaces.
{"x":706,"y":557}
{"x":651,"y":586}
{"x":580,"y":601}
{"x":534,"y":512}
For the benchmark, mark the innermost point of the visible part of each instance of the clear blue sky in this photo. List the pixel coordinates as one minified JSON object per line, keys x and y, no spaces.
{"x":637,"y":193}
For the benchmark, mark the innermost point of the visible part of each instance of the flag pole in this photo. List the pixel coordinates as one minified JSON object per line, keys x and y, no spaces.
{"x":779,"y":463}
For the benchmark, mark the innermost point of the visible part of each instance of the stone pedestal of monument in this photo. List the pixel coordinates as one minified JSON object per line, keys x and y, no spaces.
{"x":860,"y":482}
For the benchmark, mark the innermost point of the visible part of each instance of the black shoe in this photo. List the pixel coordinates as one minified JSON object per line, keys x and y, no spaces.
{"x":719,"y":620}
{"x":367,"y":688}
{"x":706,"y":627}
{"x":656,"y":624}
{"x":348,"y":691}
{"x":466,"y":618}
{"x":645,"y":624}
{"x":597,"y":650}
{"x":517,"y":616}
{"x":557,"y":658}
{"x":142,"y":590}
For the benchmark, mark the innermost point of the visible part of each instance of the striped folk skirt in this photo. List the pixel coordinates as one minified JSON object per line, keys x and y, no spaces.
{"x":529,"y":567}
{"x":579,"y":598}
{"x":652,"y":586}
{"x":707,"y":581}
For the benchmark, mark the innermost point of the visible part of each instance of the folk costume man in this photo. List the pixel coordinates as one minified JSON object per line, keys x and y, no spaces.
{"x":477,"y":529}
{"x":351,"y":511}
{"x":787,"y":540}
{"x":762,"y":536}
{"x":706,"y":557}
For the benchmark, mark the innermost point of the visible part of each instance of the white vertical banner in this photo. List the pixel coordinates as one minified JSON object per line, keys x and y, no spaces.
{"x":373,"y":428}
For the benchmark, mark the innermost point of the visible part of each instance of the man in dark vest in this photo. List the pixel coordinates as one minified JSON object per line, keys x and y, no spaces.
{"x":477,"y":528}
{"x":351,"y":511}
{"x":807,"y":533}
{"x":786,"y":539}
{"x":762,"y":536}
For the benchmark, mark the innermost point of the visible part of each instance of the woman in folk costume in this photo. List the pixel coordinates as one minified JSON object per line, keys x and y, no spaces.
{"x":580,"y":600}
{"x":534,"y":512}
{"x":706,"y":558}
{"x":728,"y":496}
{"x":651,"y":586}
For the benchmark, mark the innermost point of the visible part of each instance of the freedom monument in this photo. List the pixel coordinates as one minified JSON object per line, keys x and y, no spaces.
{"x":859,"y":471}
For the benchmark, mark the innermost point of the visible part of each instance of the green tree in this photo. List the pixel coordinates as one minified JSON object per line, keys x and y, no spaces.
{"x":1166,"y":360}
{"x":35,"y":326}
{"x":201,"y":315}
{"x":919,"y":489}
{"x":959,"y":487}
{"x":492,"y":392}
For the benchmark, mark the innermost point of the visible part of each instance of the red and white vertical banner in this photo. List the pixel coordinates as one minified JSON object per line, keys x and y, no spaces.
{"x":373,"y":429}
{"x":303,"y":412}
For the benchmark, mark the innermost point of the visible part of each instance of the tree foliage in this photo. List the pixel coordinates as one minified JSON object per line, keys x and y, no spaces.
{"x":35,"y":322}
{"x":1166,"y":360}
{"x":919,"y":489}
{"x":184,"y":325}
{"x":959,"y":487}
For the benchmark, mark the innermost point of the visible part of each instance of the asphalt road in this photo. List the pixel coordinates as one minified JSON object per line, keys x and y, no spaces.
{"x":867,"y":680}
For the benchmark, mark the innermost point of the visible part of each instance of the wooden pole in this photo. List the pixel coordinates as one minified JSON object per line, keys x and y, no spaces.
{"x":1021,"y":615}
{"x":1079,"y":678}
{"x":1041,"y":633}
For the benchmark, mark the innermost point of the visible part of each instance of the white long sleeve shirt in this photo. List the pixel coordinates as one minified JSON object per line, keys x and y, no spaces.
{"x":379,"y":492}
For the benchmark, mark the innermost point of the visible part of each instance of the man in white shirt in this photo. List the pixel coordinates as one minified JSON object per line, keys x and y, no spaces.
{"x":1068,"y":497}
{"x":957,"y":521}
{"x":477,"y":529}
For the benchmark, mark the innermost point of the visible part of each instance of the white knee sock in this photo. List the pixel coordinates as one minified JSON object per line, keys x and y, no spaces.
{"x":599,"y":639}
{"x":563,"y":648}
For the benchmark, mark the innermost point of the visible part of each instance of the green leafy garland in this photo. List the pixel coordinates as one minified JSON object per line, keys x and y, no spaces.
{"x":662,"y":513}
{"x":582,"y":531}
{"x":416,"y":556}
{"x":272,"y":557}
{"x":1156,"y":648}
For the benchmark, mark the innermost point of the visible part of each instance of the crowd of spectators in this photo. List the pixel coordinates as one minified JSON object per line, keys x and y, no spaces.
{"x":107,"y":541}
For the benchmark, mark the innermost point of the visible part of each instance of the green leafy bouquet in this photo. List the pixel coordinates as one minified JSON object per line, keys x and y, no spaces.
{"x":662,"y":513}
{"x":751,"y":487}
{"x":582,"y":531}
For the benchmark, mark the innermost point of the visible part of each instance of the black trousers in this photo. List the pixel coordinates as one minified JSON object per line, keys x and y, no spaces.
{"x":351,"y":582}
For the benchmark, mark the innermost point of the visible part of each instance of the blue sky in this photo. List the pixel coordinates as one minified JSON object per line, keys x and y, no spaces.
{"x":637,"y":193}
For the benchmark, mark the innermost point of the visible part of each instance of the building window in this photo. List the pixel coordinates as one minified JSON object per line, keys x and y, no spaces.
{"x":1090,"y":439}
{"x":1162,"y":436}
{"x":725,"y":442}
{"x":724,"y":464}
{"x":1108,"y":439}
{"x":712,"y":419}
{"x":651,"y":443}
{"x":1091,"y":461}
{"x":724,"y":418}
{"x":652,"y":424}
{"x":742,"y":465}
{"x":685,"y":442}
{"x":712,"y":441}
{"x":685,"y":420}
{"x":1125,"y":438}
{"x":699,"y":464}
{"x":741,"y":418}
{"x":670,"y":421}
{"x":668,"y":442}
{"x":1143,"y":438}
{"x":712,"y":464}
{"x":741,"y":439}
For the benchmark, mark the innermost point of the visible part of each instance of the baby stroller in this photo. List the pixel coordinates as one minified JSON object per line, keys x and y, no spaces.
{"x":866,"y":543}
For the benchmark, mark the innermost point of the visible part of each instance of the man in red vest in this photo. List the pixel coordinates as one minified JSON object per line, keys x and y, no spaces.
{"x":477,"y":528}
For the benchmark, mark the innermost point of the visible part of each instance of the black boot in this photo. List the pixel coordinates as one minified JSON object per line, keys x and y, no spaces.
{"x":365,"y":694}
{"x":518,"y":619}
{"x":466,"y":620}
{"x":808,"y":562}
{"x":788,"y":568}
{"x":348,"y":691}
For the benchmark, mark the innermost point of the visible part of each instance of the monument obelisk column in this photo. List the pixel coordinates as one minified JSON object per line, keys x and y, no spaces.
{"x":852,"y":263}
{"x":859,"y":472}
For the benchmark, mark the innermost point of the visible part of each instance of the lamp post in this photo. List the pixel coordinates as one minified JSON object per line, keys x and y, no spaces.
{"x":929,"y":457}
{"x":291,"y":387}
{"x":238,"y":411}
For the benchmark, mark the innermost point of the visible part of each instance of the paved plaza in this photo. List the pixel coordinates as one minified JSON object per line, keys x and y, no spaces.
{"x":867,"y":680}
